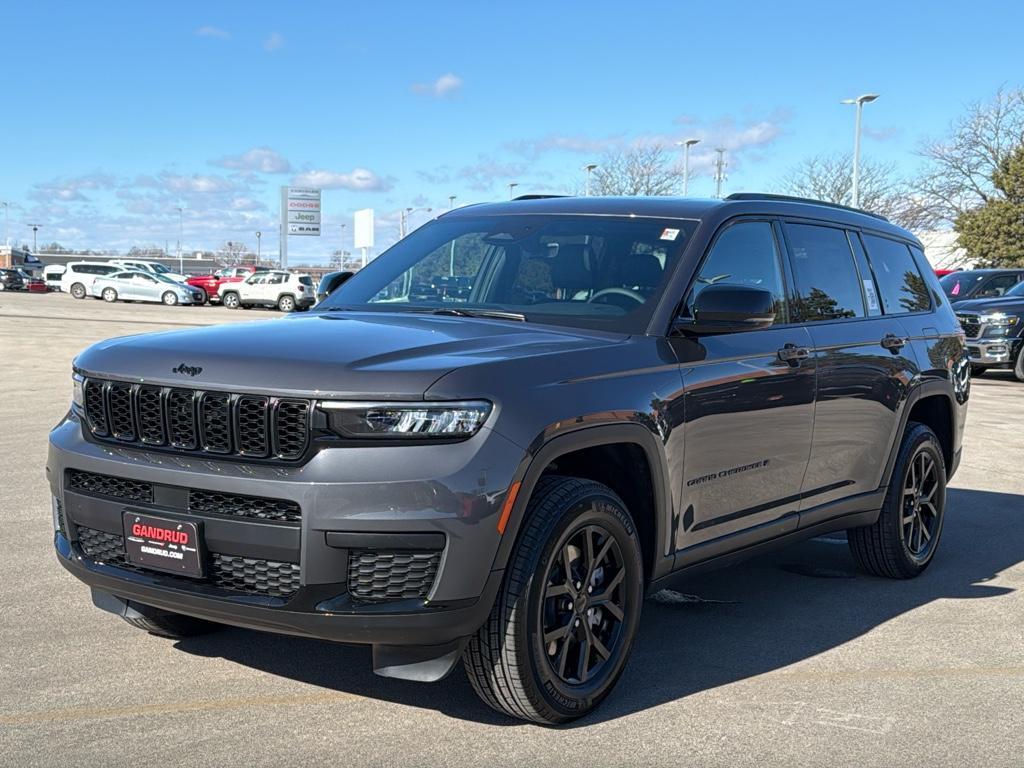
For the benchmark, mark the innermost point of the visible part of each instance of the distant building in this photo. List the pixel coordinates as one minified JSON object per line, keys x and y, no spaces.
{"x":13,"y":257}
{"x":943,"y":251}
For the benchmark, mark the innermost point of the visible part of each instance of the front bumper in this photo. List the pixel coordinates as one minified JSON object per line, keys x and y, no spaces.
{"x":993,"y":353}
{"x":351,"y":500}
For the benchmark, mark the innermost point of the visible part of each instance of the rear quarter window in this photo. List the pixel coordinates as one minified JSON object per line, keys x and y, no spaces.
{"x":900,"y":283}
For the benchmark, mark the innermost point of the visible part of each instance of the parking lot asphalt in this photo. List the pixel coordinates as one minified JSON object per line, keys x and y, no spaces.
{"x":791,"y":659}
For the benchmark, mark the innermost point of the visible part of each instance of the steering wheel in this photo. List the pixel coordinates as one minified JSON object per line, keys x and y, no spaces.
{"x":616,"y":291}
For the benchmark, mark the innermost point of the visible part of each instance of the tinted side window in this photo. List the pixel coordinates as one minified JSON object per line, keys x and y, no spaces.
{"x":899,"y":281}
{"x":997,"y":286}
{"x":827,"y":282}
{"x":744,"y":254}
{"x":867,"y":278}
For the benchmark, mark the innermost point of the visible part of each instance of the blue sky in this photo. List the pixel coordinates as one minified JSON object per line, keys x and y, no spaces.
{"x":114,"y":114}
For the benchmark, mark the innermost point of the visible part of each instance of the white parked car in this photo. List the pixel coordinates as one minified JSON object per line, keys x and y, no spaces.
{"x":80,"y":275}
{"x":52,"y":274}
{"x":274,"y":288}
{"x":133,"y":285}
{"x":153,"y":267}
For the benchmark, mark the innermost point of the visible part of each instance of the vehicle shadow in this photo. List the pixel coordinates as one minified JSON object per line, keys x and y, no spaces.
{"x":721,"y":627}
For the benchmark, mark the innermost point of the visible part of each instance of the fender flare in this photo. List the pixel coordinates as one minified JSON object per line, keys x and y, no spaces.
{"x":926,"y":388}
{"x":536,"y":461}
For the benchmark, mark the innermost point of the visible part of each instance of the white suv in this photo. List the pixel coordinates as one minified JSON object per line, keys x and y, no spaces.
{"x":80,"y":275}
{"x":274,"y":288}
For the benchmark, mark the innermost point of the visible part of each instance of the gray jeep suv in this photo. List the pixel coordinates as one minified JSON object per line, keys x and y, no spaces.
{"x":626,"y":391}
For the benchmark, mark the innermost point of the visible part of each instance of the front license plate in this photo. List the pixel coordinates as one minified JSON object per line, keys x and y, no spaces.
{"x":162,"y":544}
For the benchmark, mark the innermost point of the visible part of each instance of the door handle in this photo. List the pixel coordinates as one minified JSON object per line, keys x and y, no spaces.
{"x":894,"y":343}
{"x":792,"y":354}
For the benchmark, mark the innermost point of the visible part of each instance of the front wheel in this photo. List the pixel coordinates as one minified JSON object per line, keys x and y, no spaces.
{"x":169,"y":298}
{"x":903,"y":541}
{"x":110,"y":295}
{"x":978,"y":371}
{"x":230,"y":300}
{"x":78,"y":291}
{"x":563,"y":625}
{"x":1018,"y":368}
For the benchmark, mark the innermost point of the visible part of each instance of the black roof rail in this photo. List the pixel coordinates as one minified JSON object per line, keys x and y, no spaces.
{"x":794,"y":199}
{"x":536,"y":197}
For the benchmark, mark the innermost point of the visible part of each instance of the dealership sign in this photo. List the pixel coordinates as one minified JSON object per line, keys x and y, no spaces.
{"x":300,"y":210}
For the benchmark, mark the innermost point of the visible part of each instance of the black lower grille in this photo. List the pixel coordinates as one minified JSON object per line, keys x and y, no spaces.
{"x":971,"y":325}
{"x":236,"y":574}
{"x":236,"y":505}
{"x":105,"y":485}
{"x":376,"y":576}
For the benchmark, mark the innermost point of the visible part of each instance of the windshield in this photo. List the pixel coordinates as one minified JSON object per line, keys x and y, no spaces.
{"x":165,"y":279}
{"x":1017,"y":290}
{"x":160,"y":269}
{"x":601,"y":272}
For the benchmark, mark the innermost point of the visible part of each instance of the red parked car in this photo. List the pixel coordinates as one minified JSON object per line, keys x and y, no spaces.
{"x":210,"y":283}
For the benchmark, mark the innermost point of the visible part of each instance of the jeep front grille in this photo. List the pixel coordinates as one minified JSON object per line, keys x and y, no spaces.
{"x":212,"y":423}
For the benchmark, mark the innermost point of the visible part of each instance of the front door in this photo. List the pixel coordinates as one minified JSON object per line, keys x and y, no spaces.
{"x":748,"y":406}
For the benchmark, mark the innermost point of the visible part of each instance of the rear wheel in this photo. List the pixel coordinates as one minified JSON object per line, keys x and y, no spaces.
{"x":563,"y":625}
{"x":78,"y":291}
{"x":169,"y":298}
{"x":109,"y":294}
{"x":172,"y":625}
{"x":2,"y":287}
{"x":286,"y":303}
{"x":903,"y":541}
{"x":230,"y":300}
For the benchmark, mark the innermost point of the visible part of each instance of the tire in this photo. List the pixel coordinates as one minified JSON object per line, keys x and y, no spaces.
{"x":169,"y":298}
{"x":286,"y":303}
{"x":2,"y":287}
{"x":172,"y":625}
{"x":78,"y":291}
{"x":110,"y":295}
{"x":889,"y":547}
{"x":230,"y":300}
{"x":203,"y":298}
{"x":507,"y":661}
{"x":978,"y":371}
{"x":1018,"y":368}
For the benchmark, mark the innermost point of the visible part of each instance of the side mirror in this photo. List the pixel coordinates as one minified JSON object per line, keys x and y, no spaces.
{"x":336,"y":281}
{"x":730,"y":309}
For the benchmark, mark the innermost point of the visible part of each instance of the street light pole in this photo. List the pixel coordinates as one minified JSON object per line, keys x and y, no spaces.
{"x":686,"y":144}
{"x":7,"y":223}
{"x":859,"y":102}
{"x":181,"y":226}
{"x":719,"y":171}
{"x":35,"y":228}
{"x":512,"y":189}
{"x":451,"y":246}
{"x":589,"y":168}
{"x":403,"y":219}
{"x":259,"y":253}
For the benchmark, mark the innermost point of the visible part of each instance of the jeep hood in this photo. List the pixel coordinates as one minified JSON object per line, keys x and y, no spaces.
{"x":390,"y":356}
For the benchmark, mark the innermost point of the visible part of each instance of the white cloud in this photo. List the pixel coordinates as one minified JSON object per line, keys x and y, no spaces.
{"x":275,"y":41}
{"x":261,"y":159}
{"x":357,"y":180}
{"x":208,"y":31}
{"x":446,"y":85}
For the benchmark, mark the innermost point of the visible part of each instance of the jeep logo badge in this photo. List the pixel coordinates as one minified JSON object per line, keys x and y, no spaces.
{"x":188,"y":370}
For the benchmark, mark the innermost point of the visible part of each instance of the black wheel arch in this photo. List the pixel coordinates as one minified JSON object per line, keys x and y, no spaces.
{"x":658,"y":522}
{"x":931,"y":402}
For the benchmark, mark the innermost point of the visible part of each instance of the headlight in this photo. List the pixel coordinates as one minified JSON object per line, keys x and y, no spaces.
{"x":412,"y":420}
{"x":999,"y":319}
{"x":78,"y":389}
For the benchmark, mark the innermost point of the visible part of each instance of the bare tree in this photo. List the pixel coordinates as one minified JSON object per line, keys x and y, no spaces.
{"x":959,"y":168}
{"x":642,"y":170}
{"x":830,"y":178}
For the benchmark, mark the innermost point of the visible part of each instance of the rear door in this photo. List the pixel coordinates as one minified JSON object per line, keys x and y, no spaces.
{"x":748,"y":405}
{"x":865,"y":364}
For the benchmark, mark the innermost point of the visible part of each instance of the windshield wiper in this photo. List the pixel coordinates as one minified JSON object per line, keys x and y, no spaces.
{"x":497,"y":314}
